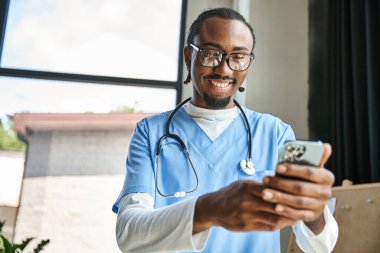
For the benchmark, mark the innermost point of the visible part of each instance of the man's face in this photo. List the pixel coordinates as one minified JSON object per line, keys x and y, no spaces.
{"x":214,"y":87}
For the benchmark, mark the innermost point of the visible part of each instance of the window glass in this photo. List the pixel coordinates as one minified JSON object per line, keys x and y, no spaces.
{"x":133,"y":39}
{"x":42,"y":96}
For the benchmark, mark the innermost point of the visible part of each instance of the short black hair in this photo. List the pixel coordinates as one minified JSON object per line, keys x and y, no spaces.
{"x":225,"y":13}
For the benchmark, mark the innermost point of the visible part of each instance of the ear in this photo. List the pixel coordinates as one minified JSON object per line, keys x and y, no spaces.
{"x":187,"y":56}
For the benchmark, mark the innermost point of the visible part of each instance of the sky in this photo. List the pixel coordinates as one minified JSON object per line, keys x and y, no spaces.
{"x":98,"y":37}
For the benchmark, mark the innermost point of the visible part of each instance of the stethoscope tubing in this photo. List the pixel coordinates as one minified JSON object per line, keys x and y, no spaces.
{"x":184,"y":148}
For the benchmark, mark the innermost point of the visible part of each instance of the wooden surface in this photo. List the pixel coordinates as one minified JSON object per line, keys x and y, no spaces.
{"x":357,"y":213}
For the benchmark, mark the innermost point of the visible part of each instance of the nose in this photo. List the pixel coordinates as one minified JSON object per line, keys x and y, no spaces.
{"x":223,"y":69}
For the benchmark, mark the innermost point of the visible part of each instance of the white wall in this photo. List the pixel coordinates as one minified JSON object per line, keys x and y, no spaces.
{"x":77,"y":152}
{"x":11,"y":171}
{"x":278,"y":80}
{"x":74,"y":212}
{"x":71,"y":180}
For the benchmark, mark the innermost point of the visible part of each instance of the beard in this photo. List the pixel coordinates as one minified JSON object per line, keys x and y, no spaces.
{"x":216,"y":103}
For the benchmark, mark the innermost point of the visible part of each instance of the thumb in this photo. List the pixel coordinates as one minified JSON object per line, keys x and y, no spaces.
{"x":326,"y":154}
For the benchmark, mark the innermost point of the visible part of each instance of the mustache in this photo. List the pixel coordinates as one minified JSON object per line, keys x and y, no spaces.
{"x":217,"y":77}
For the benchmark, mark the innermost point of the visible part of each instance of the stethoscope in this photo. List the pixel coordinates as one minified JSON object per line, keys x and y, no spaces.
{"x":246,"y":164}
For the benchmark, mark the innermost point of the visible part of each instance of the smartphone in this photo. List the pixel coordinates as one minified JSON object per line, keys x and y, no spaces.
{"x":301,"y":152}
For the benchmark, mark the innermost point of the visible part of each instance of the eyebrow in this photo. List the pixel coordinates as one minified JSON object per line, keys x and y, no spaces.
{"x":220,"y":47}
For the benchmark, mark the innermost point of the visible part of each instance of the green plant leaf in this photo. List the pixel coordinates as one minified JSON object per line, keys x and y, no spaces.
{"x":2,"y":222}
{"x":41,"y":245}
{"x":2,"y":247}
{"x":23,"y":244}
{"x":10,"y":141}
{"x":8,"y":247}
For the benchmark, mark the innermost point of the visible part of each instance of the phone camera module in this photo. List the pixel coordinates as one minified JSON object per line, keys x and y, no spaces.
{"x":294,"y":153}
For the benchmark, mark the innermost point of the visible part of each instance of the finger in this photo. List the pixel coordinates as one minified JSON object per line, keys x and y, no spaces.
{"x":267,"y":218}
{"x":254,"y":204}
{"x":253,"y":188}
{"x":297,"y":187}
{"x":298,"y":202}
{"x":242,"y":187}
{"x":242,"y":227}
{"x":326,"y":154}
{"x":257,"y":227}
{"x":263,"y":227}
{"x":246,"y":221}
{"x":296,"y":214}
{"x":250,"y":193}
{"x":309,"y":173}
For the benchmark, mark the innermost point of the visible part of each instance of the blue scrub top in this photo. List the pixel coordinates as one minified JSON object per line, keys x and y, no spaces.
{"x":216,"y":162}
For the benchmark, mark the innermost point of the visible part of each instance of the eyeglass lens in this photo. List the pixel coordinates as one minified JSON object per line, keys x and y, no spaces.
{"x":213,"y":58}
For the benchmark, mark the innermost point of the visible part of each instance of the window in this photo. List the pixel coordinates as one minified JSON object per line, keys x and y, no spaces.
{"x":106,"y":41}
{"x":128,"y":39}
{"x":80,"y":56}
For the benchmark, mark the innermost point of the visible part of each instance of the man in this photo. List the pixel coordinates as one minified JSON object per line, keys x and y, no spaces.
{"x":224,"y":210}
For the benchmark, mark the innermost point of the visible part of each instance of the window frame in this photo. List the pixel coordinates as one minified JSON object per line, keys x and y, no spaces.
{"x":60,"y":76}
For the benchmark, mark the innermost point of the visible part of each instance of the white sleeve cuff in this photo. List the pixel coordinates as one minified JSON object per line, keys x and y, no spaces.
{"x":198,"y":240}
{"x":140,"y":228}
{"x":195,"y":242}
{"x":324,"y":241}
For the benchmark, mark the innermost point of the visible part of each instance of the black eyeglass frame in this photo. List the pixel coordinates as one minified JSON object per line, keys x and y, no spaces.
{"x":199,"y":51}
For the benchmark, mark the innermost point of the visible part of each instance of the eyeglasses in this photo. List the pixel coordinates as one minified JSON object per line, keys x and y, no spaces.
{"x":213,"y":58}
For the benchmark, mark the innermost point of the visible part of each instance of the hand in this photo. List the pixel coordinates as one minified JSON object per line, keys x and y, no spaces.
{"x":302,"y":199}
{"x":238,"y":207}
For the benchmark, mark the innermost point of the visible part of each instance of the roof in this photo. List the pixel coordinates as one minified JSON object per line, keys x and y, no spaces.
{"x":23,"y":123}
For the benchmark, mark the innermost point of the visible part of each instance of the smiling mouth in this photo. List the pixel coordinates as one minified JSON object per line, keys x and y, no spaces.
{"x":221,"y":85}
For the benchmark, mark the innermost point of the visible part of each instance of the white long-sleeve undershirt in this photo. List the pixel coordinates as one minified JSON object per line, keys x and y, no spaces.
{"x":212,"y":122}
{"x":141,"y":228}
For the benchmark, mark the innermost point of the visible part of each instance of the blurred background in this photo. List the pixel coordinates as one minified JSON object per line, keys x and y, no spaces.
{"x":76,"y":76}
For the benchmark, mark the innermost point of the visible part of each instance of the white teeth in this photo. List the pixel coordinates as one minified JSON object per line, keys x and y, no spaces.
{"x":220,"y":85}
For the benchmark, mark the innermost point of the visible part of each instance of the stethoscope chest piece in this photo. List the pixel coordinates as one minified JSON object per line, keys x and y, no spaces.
{"x":247,"y":167}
